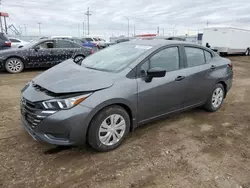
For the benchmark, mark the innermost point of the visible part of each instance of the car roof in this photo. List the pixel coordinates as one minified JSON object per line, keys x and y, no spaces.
{"x":158,"y":42}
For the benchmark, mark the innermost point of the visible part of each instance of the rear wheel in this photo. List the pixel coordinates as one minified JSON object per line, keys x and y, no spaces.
{"x":216,"y":99}
{"x":108,"y":128}
{"x":14,"y":65}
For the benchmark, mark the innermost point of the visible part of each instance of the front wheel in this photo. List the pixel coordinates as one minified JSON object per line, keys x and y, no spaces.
{"x":78,"y":59}
{"x":14,"y":65}
{"x":108,"y":128}
{"x":216,"y":99}
{"x":247,"y":53}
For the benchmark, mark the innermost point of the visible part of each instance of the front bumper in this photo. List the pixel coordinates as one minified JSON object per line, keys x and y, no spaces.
{"x":65,"y":127}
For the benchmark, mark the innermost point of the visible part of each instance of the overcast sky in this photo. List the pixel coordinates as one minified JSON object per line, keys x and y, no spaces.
{"x":65,"y":17}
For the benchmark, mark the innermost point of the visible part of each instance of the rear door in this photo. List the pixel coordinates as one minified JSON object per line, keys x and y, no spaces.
{"x":66,"y":49}
{"x":197,"y":71}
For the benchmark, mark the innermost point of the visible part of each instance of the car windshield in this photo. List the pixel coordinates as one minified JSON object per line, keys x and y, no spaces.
{"x":114,"y":58}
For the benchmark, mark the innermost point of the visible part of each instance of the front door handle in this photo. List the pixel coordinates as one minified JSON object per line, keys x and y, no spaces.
{"x":212,"y":67}
{"x":179,"y":78}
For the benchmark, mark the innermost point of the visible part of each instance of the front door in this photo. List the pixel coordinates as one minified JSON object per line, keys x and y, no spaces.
{"x":42,"y":55}
{"x":161,"y":95}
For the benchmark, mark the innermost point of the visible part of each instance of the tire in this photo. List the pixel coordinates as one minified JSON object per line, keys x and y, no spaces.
{"x":101,"y":135}
{"x":247,"y":53}
{"x":78,"y":59}
{"x":211,"y":105}
{"x":14,"y":65}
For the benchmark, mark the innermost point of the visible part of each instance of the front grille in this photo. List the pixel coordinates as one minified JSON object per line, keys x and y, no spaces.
{"x":32,"y":113}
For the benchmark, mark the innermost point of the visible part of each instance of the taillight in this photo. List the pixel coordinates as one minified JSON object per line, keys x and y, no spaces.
{"x":230,"y":65}
{"x":91,"y":51}
{"x":8,"y":43}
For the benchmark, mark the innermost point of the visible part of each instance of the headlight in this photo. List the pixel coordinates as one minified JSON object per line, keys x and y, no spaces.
{"x":63,"y":104}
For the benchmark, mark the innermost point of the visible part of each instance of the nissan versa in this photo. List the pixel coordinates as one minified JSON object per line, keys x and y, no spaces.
{"x":112,"y":92}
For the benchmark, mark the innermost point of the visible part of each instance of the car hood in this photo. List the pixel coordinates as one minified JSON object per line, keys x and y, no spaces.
{"x":69,"y":77}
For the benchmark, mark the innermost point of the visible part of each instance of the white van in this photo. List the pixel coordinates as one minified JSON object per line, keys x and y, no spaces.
{"x":227,"y":40}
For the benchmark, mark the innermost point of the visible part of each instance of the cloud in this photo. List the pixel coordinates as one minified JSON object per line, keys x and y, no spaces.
{"x":65,"y":17}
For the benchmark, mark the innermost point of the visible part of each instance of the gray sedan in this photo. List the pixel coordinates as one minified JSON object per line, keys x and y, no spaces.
{"x":120,"y":88}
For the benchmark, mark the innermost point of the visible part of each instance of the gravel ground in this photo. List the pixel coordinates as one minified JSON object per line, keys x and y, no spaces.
{"x":192,"y":149}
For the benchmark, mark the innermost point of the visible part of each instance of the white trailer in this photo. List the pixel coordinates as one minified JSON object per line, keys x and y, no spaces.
{"x":227,"y":40}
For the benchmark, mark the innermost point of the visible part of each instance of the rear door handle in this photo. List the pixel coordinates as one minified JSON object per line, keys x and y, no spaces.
{"x":179,"y":78}
{"x":212,"y":67}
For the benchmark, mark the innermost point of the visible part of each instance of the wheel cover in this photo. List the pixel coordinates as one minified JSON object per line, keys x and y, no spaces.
{"x":217,"y":97}
{"x":14,"y":65}
{"x":78,"y":58}
{"x":112,"y":130}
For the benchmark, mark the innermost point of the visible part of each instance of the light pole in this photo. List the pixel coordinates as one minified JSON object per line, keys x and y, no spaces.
{"x":83,"y":29}
{"x":174,"y":29}
{"x":128,"y":26}
{"x":39,"y":24}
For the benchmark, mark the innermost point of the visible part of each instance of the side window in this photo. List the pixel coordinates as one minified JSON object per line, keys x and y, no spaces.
{"x":64,"y":44}
{"x":208,"y":56}
{"x":46,"y":45}
{"x":167,"y":59}
{"x":195,"y":56}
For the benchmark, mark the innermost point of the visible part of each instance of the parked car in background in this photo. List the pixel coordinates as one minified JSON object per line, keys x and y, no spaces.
{"x":17,"y":43}
{"x":94,"y":40}
{"x":80,"y":41}
{"x":44,"y":53}
{"x":5,"y":43}
{"x":227,"y":40}
{"x":120,"y":88}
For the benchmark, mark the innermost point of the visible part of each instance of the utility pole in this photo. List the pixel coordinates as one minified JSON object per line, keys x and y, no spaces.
{"x":163,"y":32}
{"x":128,"y":26}
{"x":39,"y":25}
{"x":25,"y":30}
{"x":207,"y":23}
{"x":88,"y":14}
{"x":5,"y":24}
{"x":158,"y":31}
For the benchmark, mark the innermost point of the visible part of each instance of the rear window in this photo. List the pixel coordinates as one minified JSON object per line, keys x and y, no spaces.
{"x":3,"y":37}
{"x":14,"y":40}
{"x":88,"y":39}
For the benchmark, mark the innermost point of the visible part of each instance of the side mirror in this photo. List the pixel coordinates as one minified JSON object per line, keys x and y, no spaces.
{"x":156,"y":72}
{"x":36,"y":48}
